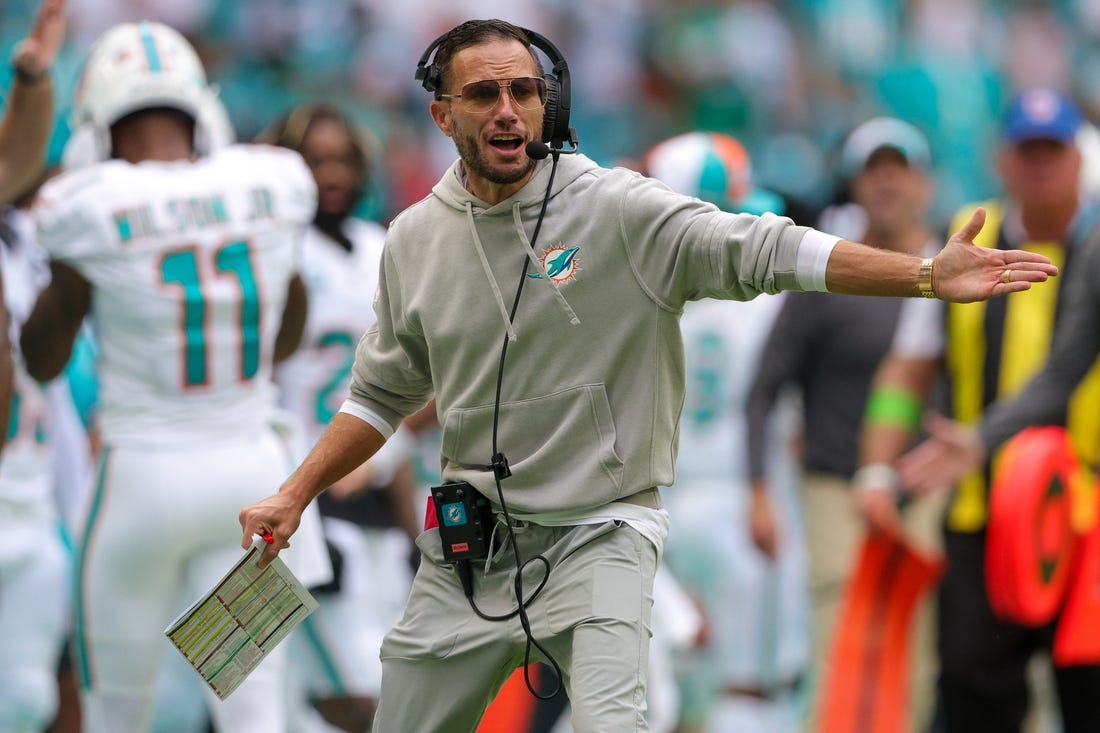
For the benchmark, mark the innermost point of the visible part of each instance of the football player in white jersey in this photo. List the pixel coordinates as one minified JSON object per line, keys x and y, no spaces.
{"x":746,"y":676}
{"x":340,"y":660}
{"x":184,"y":257}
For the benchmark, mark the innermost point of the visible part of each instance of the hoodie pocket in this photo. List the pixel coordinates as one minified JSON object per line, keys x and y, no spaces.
{"x":566,"y":438}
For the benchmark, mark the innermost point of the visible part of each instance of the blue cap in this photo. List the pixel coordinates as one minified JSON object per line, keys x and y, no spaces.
{"x":1041,"y":114}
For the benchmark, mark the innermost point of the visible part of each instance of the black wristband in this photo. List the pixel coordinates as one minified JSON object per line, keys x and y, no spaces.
{"x":27,"y":77}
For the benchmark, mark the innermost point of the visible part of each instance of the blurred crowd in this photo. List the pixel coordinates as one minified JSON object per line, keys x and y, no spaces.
{"x":786,"y":77}
{"x":788,"y":80}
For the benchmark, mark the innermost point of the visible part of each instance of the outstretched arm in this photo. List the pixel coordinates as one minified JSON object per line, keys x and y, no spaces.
{"x":962,"y":272}
{"x":25,"y":129}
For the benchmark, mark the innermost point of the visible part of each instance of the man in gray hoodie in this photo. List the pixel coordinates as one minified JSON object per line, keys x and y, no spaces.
{"x":538,"y":302}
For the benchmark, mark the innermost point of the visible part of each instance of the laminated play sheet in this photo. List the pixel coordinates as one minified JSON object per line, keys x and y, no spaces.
{"x":227,"y":632}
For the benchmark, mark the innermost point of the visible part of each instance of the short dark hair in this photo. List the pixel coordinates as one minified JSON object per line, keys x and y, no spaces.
{"x":473,"y":33}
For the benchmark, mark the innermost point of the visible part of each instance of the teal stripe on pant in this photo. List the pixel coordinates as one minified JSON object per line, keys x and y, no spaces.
{"x":81,"y":652}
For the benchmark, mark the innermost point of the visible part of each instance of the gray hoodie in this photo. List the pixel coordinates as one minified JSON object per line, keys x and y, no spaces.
{"x":594,"y":377}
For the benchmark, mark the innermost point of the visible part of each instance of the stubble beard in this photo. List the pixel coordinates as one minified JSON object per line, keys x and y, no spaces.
{"x":476,"y":163}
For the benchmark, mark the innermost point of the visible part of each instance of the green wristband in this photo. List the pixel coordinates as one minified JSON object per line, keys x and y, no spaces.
{"x":893,"y":406}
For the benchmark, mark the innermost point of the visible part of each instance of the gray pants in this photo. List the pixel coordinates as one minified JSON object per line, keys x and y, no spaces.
{"x":442,"y":665}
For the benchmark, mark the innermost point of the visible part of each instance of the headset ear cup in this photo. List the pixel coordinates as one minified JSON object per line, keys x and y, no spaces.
{"x":551,"y":110}
{"x":429,"y":73}
{"x":431,"y":78}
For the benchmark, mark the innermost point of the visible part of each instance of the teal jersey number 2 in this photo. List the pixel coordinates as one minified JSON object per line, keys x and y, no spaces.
{"x":182,"y":268}
{"x":345,"y":343}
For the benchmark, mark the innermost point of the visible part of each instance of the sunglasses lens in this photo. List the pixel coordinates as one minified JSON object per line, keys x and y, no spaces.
{"x":481,"y":95}
{"x":529,"y":92}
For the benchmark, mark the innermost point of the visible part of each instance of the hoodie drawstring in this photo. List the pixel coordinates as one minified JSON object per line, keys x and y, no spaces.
{"x":489,"y":273}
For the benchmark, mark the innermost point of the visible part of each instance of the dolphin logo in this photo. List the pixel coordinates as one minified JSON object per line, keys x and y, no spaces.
{"x":560,"y":263}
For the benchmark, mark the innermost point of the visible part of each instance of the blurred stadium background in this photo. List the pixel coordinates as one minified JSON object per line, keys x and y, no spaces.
{"x":786,"y":77}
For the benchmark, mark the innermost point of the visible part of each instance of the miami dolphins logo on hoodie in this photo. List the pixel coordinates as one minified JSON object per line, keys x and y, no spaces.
{"x":560,"y":263}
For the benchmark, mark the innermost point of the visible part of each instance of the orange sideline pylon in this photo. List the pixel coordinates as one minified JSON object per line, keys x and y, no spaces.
{"x":867,"y":690}
{"x":513,"y":708}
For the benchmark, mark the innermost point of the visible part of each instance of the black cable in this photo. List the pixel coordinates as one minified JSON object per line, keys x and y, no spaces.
{"x":501,"y":471}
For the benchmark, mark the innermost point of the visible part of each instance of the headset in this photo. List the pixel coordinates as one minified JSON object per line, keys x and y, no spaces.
{"x":556,"y":132}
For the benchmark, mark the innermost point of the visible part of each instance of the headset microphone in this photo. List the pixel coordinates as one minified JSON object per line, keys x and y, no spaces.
{"x":537,"y":150}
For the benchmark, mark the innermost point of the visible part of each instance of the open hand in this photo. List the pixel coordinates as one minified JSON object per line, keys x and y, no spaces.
{"x":964,"y":272}
{"x":951,"y":451}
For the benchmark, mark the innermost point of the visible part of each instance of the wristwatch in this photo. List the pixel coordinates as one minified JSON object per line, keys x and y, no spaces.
{"x":924,"y":278}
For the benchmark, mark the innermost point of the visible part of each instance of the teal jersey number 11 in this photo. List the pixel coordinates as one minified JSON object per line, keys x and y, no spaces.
{"x":182,"y":267}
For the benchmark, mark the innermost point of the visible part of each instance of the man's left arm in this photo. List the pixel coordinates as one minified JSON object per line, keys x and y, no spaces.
{"x":961,"y":272}
{"x":682,"y":250}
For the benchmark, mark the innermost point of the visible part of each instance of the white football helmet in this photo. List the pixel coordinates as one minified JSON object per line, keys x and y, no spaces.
{"x":136,"y":66}
{"x":707,"y":165}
